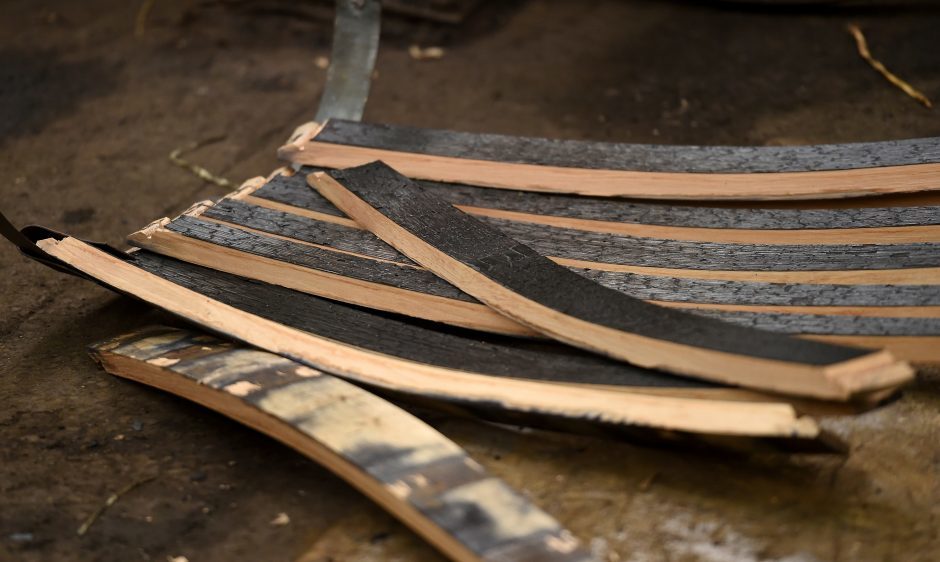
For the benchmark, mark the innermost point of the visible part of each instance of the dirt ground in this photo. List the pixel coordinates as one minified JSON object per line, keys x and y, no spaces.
{"x":89,"y":112}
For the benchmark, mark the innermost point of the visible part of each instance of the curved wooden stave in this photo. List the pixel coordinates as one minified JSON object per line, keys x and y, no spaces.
{"x":613,"y":274}
{"x":896,"y":220}
{"x":611,"y":253}
{"x":766,"y":425}
{"x":518,"y":282}
{"x":405,"y":466}
{"x":416,"y":292}
{"x":905,"y":174}
{"x":619,"y":249}
{"x":630,"y":157}
{"x":463,"y":314}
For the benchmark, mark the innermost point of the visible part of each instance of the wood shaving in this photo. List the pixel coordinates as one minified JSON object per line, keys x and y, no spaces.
{"x":425,"y":53}
{"x":140,"y":25}
{"x":109,"y":502}
{"x":863,"y":51}
{"x":199,"y":171}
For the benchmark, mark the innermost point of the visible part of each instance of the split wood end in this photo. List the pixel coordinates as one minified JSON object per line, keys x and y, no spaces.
{"x":300,"y":137}
{"x":147,"y":231}
{"x":876,"y":371}
{"x":250,"y":185}
{"x":195,"y":210}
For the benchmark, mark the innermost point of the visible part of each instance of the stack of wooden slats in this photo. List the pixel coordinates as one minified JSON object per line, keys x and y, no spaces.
{"x":830,"y":268}
{"x":540,"y":282}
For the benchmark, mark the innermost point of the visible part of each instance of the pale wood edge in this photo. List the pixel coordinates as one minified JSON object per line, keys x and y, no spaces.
{"x":920,"y":349}
{"x":237,"y":409}
{"x":681,"y":414}
{"x":814,"y":237}
{"x":875,"y":370}
{"x":470,"y":315}
{"x":303,"y":133}
{"x":616,"y":183}
{"x":155,"y":237}
{"x":410,"y":303}
{"x":912,"y":276}
{"x":916,"y":349}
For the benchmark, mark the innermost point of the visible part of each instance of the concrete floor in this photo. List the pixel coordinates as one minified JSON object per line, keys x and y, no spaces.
{"x":88,"y":114}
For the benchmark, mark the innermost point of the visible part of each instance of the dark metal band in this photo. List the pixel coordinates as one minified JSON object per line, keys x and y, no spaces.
{"x":355,"y":44}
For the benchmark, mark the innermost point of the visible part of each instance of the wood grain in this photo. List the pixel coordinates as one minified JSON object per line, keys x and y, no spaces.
{"x":518,"y":282}
{"x":274,"y":319}
{"x":414,"y":291}
{"x":611,"y":248}
{"x":828,"y":183}
{"x":404,"y":465}
{"x":907,"y":286}
{"x":640,"y":218}
{"x":632,"y":157}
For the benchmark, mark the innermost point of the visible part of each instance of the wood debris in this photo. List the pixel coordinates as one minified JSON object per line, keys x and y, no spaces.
{"x":112,"y":499}
{"x":891,"y":77}
{"x":176,"y":156}
{"x":425,"y":53}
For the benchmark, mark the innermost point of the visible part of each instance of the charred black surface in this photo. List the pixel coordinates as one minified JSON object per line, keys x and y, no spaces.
{"x":649,"y":287}
{"x":710,"y":291}
{"x":423,"y":281}
{"x":828,"y":324}
{"x":638,"y":157}
{"x":650,"y":252}
{"x":293,"y":190}
{"x":677,"y":254}
{"x":301,"y":228}
{"x":359,"y":328}
{"x":312,"y":257}
{"x":532,"y":276}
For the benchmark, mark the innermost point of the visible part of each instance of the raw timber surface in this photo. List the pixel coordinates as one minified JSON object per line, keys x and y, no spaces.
{"x":85,"y":150}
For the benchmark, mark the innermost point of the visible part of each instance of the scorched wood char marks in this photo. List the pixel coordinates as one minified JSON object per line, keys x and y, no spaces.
{"x":518,"y":282}
{"x":403,"y":464}
{"x":603,"y":169}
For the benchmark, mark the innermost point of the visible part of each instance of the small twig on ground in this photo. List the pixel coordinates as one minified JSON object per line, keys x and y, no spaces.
{"x":141,"y":24}
{"x":109,"y":502}
{"x":199,"y":171}
{"x":863,"y":51}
